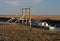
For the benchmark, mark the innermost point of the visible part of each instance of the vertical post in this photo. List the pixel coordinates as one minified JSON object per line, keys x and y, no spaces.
{"x":22,"y":11}
{"x":26,"y":14}
{"x":22,"y":14}
{"x":30,"y":17}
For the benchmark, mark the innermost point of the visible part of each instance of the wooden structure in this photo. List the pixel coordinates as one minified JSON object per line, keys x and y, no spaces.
{"x":26,"y":16}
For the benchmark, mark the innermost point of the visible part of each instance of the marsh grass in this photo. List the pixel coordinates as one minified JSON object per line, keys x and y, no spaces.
{"x":23,"y":33}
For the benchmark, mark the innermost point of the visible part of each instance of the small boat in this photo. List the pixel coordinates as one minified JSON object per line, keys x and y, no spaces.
{"x":43,"y":25}
{"x":39,"y":24}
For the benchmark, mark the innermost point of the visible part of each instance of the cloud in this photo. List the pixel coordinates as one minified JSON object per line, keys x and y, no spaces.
{"x":36,"y":1}
{"x":21,"y":2}
{"x":13,"y":3}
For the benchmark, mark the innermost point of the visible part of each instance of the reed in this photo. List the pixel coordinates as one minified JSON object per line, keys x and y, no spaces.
{"x":33,"y":17}
{"x":24,"y":33}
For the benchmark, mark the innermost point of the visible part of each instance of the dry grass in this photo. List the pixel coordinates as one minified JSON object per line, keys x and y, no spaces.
{"x":22,"y":33}
{"x":36,"y":17}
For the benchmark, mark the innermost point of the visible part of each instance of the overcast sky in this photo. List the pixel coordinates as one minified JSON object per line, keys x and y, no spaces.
{"x":38,"y":7}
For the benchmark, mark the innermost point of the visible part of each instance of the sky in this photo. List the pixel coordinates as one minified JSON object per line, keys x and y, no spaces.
{"x":38,"y":7}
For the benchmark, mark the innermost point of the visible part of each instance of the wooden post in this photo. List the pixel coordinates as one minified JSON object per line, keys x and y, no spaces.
{"x":30,"y":17}
{"x":22,"y":14}
{"x":26,"y":14}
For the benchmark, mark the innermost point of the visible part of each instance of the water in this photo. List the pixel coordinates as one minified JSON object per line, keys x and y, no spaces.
{"x":57,"y":29}
{"x":6,"y":19}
